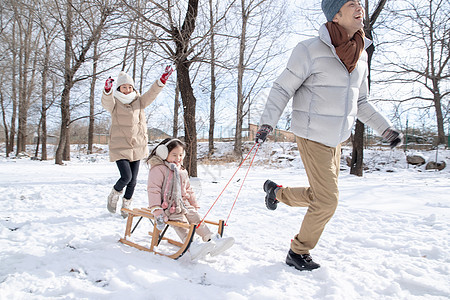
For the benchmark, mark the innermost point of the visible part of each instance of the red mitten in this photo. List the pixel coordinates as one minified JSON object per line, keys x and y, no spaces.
{"x":108,"y":84}
{"x":167,"y":72}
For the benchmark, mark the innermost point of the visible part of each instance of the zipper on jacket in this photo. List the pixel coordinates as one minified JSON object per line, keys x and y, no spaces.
{"x":346,"y":114}
{"x":333,"y":50}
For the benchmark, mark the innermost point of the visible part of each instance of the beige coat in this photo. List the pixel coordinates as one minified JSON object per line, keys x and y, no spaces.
{"x":128,"y":133}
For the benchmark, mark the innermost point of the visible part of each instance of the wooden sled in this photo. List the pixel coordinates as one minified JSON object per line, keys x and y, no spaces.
{"x":158,"y":236}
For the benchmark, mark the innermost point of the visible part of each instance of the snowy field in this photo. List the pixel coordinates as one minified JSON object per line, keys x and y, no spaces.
{"x":389,"y":238}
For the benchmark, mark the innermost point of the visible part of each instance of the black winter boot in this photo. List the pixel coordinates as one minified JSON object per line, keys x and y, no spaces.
{"x":270,"y":189}
{"x":302,"y":262}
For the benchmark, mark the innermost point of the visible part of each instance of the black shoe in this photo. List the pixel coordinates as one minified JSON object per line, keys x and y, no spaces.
{"x":271,"y":200}
{"x":302,"y":262}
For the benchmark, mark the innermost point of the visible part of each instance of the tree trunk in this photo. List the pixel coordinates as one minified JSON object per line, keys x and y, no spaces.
{"x":44,"y":102}
{"x":357,"y":162}
{"x":213,"y":83}
{"x":182,"y":37}
{"x":135,"y":53}
{"x":240,"y":96}
{"x":125,"y":54}
{"x":66,"y":151}
{"x":29,"y":48}
{"x":12,"y":131}
{"x":436,"y":92}
{"x":24,"y":56}
{"x":20,"y":92}
{"x":29,"y":93}
{"x":176,"y":109}
{"x":64,"y":129}
{"x":142,"y":70}
{"x":439,"y":118}
{"x":92,"y":99}
{"x":356,"y":167}
{"x":38,"y":141}
{"x":61,"y":151}
{"x":5,"y":125}
{"x":190,"y":130}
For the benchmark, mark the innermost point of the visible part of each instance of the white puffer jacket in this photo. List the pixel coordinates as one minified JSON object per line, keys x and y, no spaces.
{"x":327,"y":99}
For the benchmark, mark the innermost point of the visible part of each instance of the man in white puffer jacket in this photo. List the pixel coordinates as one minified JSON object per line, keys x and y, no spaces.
{"x":327,"y":78}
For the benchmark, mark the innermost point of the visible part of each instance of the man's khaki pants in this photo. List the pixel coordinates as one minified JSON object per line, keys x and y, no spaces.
{"x":322,"y":168}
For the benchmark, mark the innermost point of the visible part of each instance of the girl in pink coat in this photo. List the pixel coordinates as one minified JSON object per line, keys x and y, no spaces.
{"x":170,"y":197}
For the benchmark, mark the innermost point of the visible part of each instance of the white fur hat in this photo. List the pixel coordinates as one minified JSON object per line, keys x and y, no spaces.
{"x":124,"y":78}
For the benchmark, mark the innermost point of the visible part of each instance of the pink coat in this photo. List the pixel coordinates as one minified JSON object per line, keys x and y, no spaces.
{"x":156,"y":177}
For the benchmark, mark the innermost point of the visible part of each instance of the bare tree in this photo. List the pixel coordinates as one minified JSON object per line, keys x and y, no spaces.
{"x":92,"y":96}
{"x":5,"y":123}
{"x":28,"y":39}
{"x":356,"y":166}
{"x":98,"y":51}
{"x":176,"y":109}
{"x":179,"y":32}
{"x":262,"y":25}
{"x":72,"y":63}
{"x":14,"y":91}
{"x":49,"y":34}
{"x":213,"y":80}
{"x":8,"y":63}
{"x":424,"y":26}
{"x":28,"y":33}
{"x":182,"y":37}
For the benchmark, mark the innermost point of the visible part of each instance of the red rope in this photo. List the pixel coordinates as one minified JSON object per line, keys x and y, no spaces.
{"x":242,"y":184}
{"x":227,"y":184}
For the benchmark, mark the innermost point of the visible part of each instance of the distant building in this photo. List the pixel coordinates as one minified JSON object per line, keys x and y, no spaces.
{"x":51,"y":139}
{"x":156,"y":134}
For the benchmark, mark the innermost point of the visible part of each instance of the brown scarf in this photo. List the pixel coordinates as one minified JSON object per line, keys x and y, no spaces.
{"x":348,"y":50}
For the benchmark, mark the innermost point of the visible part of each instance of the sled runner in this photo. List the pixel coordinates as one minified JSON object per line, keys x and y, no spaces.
{"x":158,"y":236}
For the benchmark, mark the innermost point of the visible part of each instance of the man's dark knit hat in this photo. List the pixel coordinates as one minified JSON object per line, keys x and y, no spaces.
{"x":331,"y":7}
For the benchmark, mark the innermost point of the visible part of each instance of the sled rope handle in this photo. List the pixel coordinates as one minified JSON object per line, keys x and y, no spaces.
{"x":229,"y":183}
{"x":242,"y":184}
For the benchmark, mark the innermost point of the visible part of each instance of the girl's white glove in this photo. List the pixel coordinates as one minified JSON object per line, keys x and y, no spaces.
{"x":160,"y":222}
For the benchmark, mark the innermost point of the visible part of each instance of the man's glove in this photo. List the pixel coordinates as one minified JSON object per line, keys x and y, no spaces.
{"x":167,"y":72}
{"x":108,"y":84}
{"x":393,"y":137}
{"x":262,"y":133}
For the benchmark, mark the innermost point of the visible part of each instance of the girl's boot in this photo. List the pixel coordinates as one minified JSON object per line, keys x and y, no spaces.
{"x":126,"y":203}
{"x":112,"y":200}
{"x":220,"y":244}
{"x":199,"y":250}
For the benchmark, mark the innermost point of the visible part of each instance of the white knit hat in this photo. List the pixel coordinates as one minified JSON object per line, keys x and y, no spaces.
{"x":124,"y":78}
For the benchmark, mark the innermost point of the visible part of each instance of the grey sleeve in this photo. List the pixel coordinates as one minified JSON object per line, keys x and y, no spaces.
{"x":368,"y":114}
{"x":283,"y":89}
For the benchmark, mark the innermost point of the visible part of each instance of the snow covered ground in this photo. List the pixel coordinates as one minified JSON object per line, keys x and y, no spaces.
{"x":389,"y":238}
